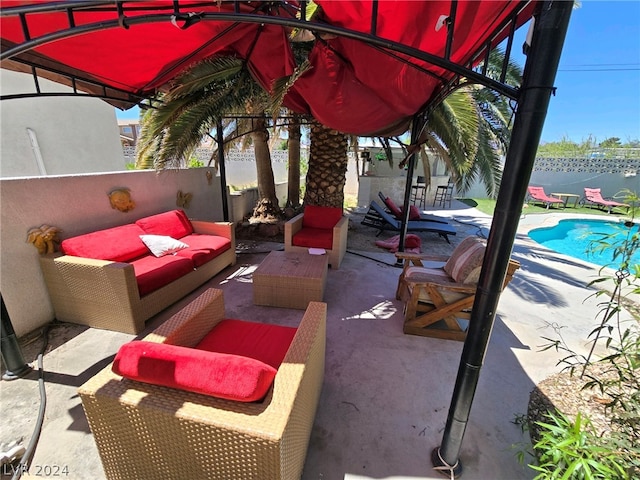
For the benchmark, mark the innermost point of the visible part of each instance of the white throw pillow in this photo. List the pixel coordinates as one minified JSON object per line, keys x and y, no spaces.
{"x":161,"y":245}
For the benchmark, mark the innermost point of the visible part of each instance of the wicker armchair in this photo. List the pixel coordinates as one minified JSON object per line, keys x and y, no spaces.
{"x":145,"y":431}
{"x":318,"y":227}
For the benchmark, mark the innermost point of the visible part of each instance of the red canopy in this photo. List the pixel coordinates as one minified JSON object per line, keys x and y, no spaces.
{"x":355,"y":87}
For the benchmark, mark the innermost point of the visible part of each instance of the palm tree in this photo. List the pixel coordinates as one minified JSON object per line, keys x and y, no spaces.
{"x":193,"y":105}
{"x":293,"y":151}
{"x":327,"y":167}
{"x":470,"y":130}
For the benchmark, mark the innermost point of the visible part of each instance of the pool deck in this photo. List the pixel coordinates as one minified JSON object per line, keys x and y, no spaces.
{"x":386,"y":395}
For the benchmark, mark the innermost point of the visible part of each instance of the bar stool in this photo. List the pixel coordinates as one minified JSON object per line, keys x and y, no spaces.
{"x":444,"y":194}
{"x":419,"y":191}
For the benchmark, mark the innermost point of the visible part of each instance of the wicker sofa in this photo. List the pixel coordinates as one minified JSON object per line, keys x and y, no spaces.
{"x":149,"y":431}
{"x":110,"y":279}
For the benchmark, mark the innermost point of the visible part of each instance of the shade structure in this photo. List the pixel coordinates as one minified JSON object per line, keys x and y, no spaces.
{"x":376,"y":67}
{"x":374,"y":64}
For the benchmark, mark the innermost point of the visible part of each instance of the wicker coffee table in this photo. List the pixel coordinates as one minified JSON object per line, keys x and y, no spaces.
{"x":290,"y":280}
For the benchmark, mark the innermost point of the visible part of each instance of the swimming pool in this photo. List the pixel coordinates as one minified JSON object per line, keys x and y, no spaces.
{"x":573,"y":237}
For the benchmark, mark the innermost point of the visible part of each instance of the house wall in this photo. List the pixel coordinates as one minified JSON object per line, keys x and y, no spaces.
{"x":73,"y":134}
{"x":79,"y":204}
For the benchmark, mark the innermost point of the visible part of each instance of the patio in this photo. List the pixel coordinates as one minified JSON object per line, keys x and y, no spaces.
{"x":386,"y":395}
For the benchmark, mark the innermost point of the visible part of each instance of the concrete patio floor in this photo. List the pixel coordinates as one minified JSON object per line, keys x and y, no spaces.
{"x":386,"y":395}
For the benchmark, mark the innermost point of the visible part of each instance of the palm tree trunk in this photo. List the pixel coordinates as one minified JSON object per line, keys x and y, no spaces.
{"x":267,"y":207}
{"x":293,"y":148}
{"x":327,"y":167}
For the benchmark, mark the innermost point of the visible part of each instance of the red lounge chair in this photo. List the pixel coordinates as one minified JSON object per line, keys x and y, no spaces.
{"x":593,"y":196}
{"x":537,"y":194}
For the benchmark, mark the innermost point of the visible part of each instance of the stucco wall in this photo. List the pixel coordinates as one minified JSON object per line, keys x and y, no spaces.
{"x":79,"y":204}
{"x":73,"y":134}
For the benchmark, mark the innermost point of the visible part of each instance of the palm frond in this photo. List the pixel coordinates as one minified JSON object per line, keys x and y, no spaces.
{"x":204,"y":74}
{"x":282,"y":85}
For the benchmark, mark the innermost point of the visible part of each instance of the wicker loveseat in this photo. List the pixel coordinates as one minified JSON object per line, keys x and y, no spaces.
{"x":148,"y":431}
{"x":110,"y":278}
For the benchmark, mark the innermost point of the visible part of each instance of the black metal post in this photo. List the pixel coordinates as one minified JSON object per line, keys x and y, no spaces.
{"x":537,"y":86}
{"x":416,"y":128}
{"x":223,"y":171}
{"x":11,"y":353}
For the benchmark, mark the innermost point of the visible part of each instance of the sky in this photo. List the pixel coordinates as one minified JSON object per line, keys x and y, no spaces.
{"x":598,"y":79}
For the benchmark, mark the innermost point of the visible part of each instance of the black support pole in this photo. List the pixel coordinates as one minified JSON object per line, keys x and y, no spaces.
{"x":11,"y":353}
{"x":416,"y":128}
{"x":223,"y":171}
{"x":537,"y":86}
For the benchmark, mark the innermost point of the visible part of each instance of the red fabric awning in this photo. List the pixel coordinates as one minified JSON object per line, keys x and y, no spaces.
{"x":353,"y":87}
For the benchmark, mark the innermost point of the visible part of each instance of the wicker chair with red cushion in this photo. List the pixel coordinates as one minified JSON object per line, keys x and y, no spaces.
{"x":203,"y":396}
{"x":318,"y":227}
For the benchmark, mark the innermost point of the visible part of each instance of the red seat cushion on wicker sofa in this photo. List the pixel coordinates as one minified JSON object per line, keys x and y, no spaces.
{"x":321,"y":217}
{"x":155,"y":272}
{"x":174,"y":224}
{"x":203,"y":248}
{"x":117,"y":244}
{"x":313,"y":238}
{"x":261,"y":341}
{"x":232,"y":377}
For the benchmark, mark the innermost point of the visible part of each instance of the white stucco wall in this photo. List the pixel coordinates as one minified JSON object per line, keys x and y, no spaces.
{"x":79,"y":204}
{"x":73,"y":134}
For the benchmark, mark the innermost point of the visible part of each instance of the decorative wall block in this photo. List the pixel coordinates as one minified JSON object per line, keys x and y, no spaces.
{"x":120,"y":199}
{"x":44,"y":238}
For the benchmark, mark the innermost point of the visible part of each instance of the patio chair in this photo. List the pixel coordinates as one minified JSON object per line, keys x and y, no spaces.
{"x":150,"y":431}
{"x":444,"y":194}
{"x":538,"y":195}
{"x":414,"y":213}
{"x":318,"y":227}
{"x":593,"y":196}
{"x":419,"y":191}
{"x":439,"y":291}
{"x":378,"y":217}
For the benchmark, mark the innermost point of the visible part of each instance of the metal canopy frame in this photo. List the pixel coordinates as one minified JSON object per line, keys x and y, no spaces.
{"x":174,"y":13}
{"x":532,"y":99}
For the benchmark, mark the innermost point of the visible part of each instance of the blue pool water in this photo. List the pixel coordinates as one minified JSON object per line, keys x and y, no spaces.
{"x":574,"y":238}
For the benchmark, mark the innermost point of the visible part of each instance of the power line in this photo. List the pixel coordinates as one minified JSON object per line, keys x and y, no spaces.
{"x":598,"y":69}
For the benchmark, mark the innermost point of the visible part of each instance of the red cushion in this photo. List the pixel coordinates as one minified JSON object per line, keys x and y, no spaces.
{"x":321,"y":217}
{"x":414,"y":213}
{"x":313,"y":238}
{"x":203,"y":248}
{"x":155,"y":272}
{"x":175,"y":224}
{"x":261,"y":341}
{"x":221,"y":375}
{"x":117,"y":244}
{"x":393,"y":208}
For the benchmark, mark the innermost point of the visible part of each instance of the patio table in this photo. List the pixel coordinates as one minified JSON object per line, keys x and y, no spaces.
{"x":290,"y":279}
{"x":565,"y":197}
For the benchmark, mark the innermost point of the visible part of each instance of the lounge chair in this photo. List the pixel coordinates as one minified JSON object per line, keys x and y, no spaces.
{"x":378,"y":217}
{"x":593,"y":196}
{"x":414,"y":213}
{"x":537,"y":194}
{"x":439,"y":291}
